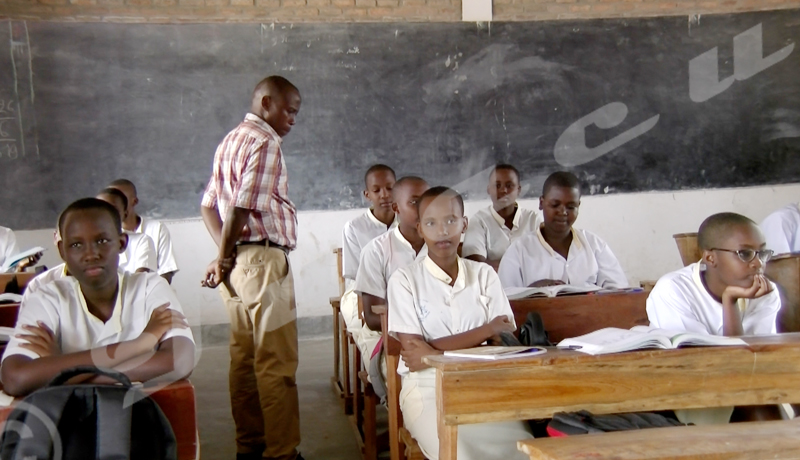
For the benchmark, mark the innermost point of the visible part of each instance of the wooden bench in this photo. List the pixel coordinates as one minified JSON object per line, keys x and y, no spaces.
{"x":9,"y":311}
{"x":735,"y":441}
{"x":340,"y":381}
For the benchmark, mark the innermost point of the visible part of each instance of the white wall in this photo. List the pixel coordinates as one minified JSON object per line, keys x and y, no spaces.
{"x":638,"y":227}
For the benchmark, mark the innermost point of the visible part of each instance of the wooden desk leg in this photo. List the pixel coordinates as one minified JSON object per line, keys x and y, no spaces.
{"x":448,"y":435}
{"x":336,"y":351}
{"x":345,"y":351}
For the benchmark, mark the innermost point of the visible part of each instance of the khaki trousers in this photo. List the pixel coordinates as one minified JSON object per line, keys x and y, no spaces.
{"x":259,"y":296}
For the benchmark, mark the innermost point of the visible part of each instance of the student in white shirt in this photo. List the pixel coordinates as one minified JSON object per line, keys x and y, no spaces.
{"x":158,"y":232}
{"x":140,"y":254}
{"x":100,"y":315}
{"x":440,"y":303}
{"x":379,"y":218}
{"x":782,"y":229}
{"x":556,"y":253}
{"x":493,"y":229}
{"x":730,"y":297}
{"x":9,"y":248}
{"x":385,"y":254}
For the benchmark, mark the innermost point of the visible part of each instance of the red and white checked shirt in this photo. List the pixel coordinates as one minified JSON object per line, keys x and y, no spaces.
{"x":249,"y":172}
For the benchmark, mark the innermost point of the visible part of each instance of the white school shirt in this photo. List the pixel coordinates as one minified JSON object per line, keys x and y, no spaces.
{"x":356,"y":235}
{"x":422,"y":302}
{"x":379,"y":260}
{"x":589,"y":262}
{"x":8,"y":244}
{"x":680,"y":302}
{"x":165,"y":259}
{"x":60,"y":305}
{"x":140,"y":253}
{"x":488,"y":236}
{"x":782,"y":229}
{"x":56,"y":273}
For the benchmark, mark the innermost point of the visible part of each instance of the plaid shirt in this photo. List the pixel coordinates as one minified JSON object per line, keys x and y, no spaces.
{"x":249,"y":172}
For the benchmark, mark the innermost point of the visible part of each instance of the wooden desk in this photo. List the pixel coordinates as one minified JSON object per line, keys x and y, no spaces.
{"x":8,"y":314}
{"x":177,"y":401}
{"x":574,"y":315}
{"x":472,"y":391}
{"x":22,"y":279}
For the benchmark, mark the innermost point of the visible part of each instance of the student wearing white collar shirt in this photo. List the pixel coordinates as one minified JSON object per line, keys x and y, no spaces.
{"x":493,"y":229}
{"x":557,"y":253}
{"x":100,"y":315}
{"x":441,"y":303}
{"x":379,"y":218}
{"x":140,"y":253}
{"x":730,"y":297}
{"x":782,"y":229}
{"x":158,"y":232}
{"x":385,"y":254}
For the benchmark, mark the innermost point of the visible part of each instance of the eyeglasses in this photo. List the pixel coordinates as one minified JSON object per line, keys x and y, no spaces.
{"x":747,"y":255}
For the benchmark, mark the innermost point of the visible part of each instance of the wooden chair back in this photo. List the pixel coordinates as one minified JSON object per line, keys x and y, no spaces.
{"x":688,"y":248}
{"x":784,"y":270}
{"x":340,"y":270}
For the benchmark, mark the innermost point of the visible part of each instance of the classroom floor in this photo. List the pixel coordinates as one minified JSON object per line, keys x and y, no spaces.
{"x":325,"y":430}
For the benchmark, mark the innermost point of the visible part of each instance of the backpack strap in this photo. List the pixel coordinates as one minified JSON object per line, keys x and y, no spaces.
{"x":64,"y":376}
{"x":113,"y":424}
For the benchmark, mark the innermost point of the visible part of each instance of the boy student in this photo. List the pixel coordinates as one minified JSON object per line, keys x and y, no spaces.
{"x":493,"y":229}
{"x":9,"y":248}
{"x":730,"y":297}
{"x":443,"y":302}
{"x":100,"y":315}
{"x":140,"y":253}
{"x":379,"y":218}
{"x":167,"y":267}
{"x":556,"y":253}
{"x":782,"y":229}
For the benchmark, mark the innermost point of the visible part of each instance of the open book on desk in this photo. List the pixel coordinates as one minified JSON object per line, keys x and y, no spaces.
{"x":614,"y":340}
{"x":496,"y":352}
{"x":516,"y":293}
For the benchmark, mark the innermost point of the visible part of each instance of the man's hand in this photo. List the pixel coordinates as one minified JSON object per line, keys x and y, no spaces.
{"x":162,"y":320}
{"x":217,"y":271}
{"x":29,"y":262}
{"x":413,"y":354}
{"x":500,"y":324}
{"x":760,"y":287}
{"x":545,"y":283}
{"x":40,"y":340}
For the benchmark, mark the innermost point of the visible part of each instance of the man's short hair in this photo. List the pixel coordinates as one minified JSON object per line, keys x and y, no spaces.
{"x":506,"y":167}
{"x":124,"y":183}
{"x":275,"y":82}
{"x":718,"y":227}
{"x":115,"y":192}
{"x":406,"y":180}
{"x":85,"y":204}
{"x":444,"y":192}
{"x":376,"y":168}
{"x":561,"y":179}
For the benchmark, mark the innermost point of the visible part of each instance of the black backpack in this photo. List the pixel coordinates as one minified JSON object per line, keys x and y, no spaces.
{"x":87,"y":422}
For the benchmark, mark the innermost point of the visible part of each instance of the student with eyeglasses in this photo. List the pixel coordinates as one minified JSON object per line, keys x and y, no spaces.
{"x":725,"y":293}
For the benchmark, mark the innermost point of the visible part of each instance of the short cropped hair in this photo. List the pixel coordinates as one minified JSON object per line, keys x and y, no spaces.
{"x":124,"y":183}
{"x":276,"y":82}
{"x":506,"y":167}
{"x":716,"y":228}
{"x":376,"y":168}
{"x":115,"y":192}
{"x":441,"y":191}
{"x":561,"y":179}
{"x":405,"y":180}
{"x":85,"y":204}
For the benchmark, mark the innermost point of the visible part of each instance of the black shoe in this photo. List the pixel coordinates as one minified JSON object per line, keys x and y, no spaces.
{"x":255,"y":455}
{"x":299,"y":457}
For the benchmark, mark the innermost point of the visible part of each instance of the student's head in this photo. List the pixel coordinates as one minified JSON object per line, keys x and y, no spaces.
{"x":379,"y":182}
{"x":277,"y":101}
{"x":731,"y":243}
{"x":115,"y":198}
{"x":441,"y":220}
{"x":91,"y":241}
{"x":560,"y":200}
{"x":129,"y":189}
{"x":504,"y":186}
{"x":405,"y":194}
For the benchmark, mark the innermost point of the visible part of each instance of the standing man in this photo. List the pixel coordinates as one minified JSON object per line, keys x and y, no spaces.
{"x":247,"y":210}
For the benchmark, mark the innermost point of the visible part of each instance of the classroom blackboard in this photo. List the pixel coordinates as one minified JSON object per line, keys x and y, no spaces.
{"x":628,"y":104}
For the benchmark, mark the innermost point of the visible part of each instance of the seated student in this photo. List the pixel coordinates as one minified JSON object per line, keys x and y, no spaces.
{"x":9,"y":248}
{"x":100,"y":316}
{"x":440,"y":303}
{"x":493,"y":229}
{"x":557,"y":253}
{"x":730,"y":297}
{"x":782,"y":229}
{"x":56,"y":273}
{"x":167,"y":267}
{"x":140,"y":254}
{"x":385,"y":254}
{"x":378,"y":219}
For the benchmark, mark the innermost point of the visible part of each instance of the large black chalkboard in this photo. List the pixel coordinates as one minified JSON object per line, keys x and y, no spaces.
{"x":83,"y":104}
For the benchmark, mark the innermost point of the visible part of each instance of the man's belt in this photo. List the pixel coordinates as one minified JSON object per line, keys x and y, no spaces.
{"x":264,"y":242}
